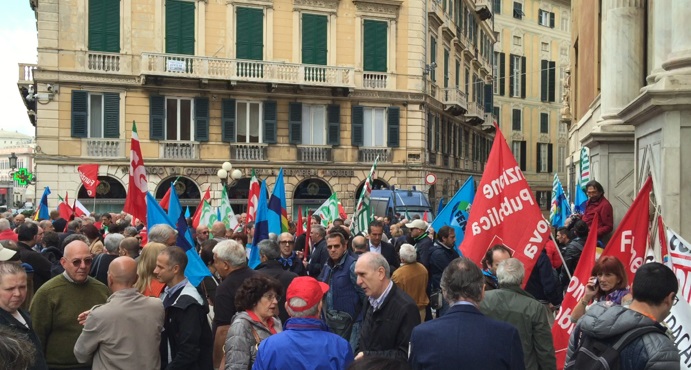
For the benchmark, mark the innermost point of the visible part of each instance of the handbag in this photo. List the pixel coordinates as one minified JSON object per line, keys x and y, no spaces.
{"x":340,"y":322}
{"x":436,"y":299}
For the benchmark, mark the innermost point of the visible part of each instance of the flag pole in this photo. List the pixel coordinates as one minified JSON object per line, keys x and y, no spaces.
{"x":563,"y":261}
{"x":94,"y":211}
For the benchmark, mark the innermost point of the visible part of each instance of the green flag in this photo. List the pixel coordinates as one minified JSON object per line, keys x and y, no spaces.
{"x":363,"y":214}
{"x":208,"y":217}
{"x":227,"y":214}
{"x":328,"y":210}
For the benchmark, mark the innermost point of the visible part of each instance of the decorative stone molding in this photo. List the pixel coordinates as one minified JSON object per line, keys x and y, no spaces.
{"x":330,"y":6}
{"x":434,"y":21}
{"x":543,"y":138}
{"x":391,"y":95}
{"x":562,"y":139}
{"x":264,"y":3}
{"x":106,"y":79}
{"x":381,"y":8}
{"x":517,"y":136}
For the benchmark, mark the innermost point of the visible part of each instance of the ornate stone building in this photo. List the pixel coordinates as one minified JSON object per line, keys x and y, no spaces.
{"x":531,"y":57}
{"x":318,"y":87}
{"x":630,"y":101}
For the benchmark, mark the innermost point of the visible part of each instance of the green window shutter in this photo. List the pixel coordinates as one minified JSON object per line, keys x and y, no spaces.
{"x":538,"y":162}
{"x":111,"y":110}
{"x":157,"y":117}
{"x":334,"y":130}
{"x":357,"y":129}
{"x":523,"y":153}
{"x":446,"y":68}
{"x":80,"y":113}
{"x":228,"y":120}
{"x":270,"y":122}
{"x":539,"y":16}
{"x":458,"y":74}
{"x":295,"y":123}
{"x":552,"y":81}
{"x":523,"y":73}
{"x":314,"y":31}
{"x":433,"y":57}
{"x":393,"y":125}
{"x":112,"y":26}
{"x":179,"y":27}
{"x":550,"y":158}
{"x":249,"y":33}
{"x":375,"y":42}
{"x":502,"y":74}
{"x":437,"y":131}
{"x":201,"y":119}
{"x":544,"y":123}
{"x":511,"y":79}
{"x":551,"y":20}
{"x":104,"y":25}
{"x":497,"y":115}
{"x":544,"y":79}
{"x":429,"y":131}
{"x":187,"y":28}
{"x":489,"y":98}
{"x":516,"y":120}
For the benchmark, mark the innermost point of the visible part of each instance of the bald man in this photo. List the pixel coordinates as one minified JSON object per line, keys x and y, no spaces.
{"x":125,"y":332}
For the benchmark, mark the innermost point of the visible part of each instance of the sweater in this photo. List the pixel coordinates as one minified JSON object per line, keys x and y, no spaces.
{"x":54,"y":310}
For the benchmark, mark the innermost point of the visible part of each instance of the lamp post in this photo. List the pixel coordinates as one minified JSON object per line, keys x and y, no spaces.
{"x":13,"y":168}
{"x":227,"y":172}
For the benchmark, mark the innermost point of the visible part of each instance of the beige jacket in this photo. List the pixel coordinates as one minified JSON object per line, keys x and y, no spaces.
{"x":124,"y":333}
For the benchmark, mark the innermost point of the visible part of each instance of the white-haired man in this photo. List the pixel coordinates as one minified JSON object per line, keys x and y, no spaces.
{"x":163,"y":234}
{"x":514,"y":305}
{"x":322,"y":349}
{"x":412,"y":278}
{"x":99,"y":268}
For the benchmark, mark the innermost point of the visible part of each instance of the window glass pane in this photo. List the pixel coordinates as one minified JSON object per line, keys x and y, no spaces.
{"x":185,"y":120}
{"x":96,"y":116}
{"x":368,"y":140}
{"x":318,"y":118}
{"x":255,"y":125}
{"x":379,"y":138}
{"x":306,"y":125}
{"x":516,"y":149}
{"x":242,"y":123}
{"x":171,"y":119}
{"x":543,"y":157}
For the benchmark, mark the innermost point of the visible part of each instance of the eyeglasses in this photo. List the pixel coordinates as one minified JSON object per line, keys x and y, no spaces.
{"x":330,"y":247}
{"x":286,"y":242}
{"x":204,"y":232}
{"x":271,"y":296}
{"x":675,"y":301}
{"x":78,"y":263}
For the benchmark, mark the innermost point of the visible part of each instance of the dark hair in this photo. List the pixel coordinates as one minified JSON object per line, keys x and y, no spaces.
{"x":91,"y":232}
{"x":26,"y":231}
{"x":462,"y":279}
{"x":115,"y":228}
{"x":596,"y":185}
{"x":241,"y":236}
{"x":375,"y":223}
{"x":176,"y":256}
{"x":565,"y":231}
{"x":72,"y":237}
{"x":131,"y":245}
{"x":318,"y":218}
{"x":60,"y":224}
{"x":379,"y":363}
{"x":653,"y":282}
{"x":606,"y":265}
{"x":444,"y":232}
{"x":252,"y":290}
{"x":207,"y":251}
{"x":51,"y":239}
{"x":337,"y":234}
{"x":580,"y":229}
{"x":249,"y":225}
{"x":489,"y":255}
{"x":340,"y":220}
{"x":107,"y":215}
{"x":16,"y":349}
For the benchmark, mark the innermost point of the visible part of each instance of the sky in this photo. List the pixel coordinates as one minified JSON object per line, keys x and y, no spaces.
{"x":18,"y":43}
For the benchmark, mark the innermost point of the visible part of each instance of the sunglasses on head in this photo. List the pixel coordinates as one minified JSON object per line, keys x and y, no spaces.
{"x":87,"y":261}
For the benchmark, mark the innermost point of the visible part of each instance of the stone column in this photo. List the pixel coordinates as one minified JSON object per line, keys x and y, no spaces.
{"x":660,"y":43}
{"x":622,"y":55}
{"x":680,"y":56}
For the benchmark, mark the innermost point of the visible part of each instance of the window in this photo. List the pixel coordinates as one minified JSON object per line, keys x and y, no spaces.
{"x":564,"y":22}
{"x":446,"y":68}
{"x":561,"y":158}
{"x":499,"y":74}
{"x":495,"y":73}
{"x":313,"y":124}
{"x":244,"y":121}
{"x":95,"y":115}
{"x":248,"y":118}
{"x":517,"y":40}
{"x":314,"y":31}
{"x":477,"y":89}
{"x":179,"y":119}
{"x":375,"y":45}
{"x":467,"y":81}
{"x":497,"y":116}
{"x":547,"y":80}
{"x":544,"y":199}
{"x":458,"y":74}
{"x":180,"y":31}
{"x":562,"y":76}
{"x":433,"y":57}
{"x":545,"y":18}
{"x":518,"y":150}
{"x":249,"y":34}
{"x":545,"y":46}
{"x":375,"y":126}
{"x":544,"y":123}
{"x":518,"y":10}
{"x":516,"y":120}
{"x":544,"y":158}
{"x":517,"y":83}
{"x":496,"y":6}
{"x":562,"y":128}
{"x":104,"y":25}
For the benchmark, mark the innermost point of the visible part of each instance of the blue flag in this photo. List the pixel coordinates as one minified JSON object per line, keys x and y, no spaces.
{"x":43,"y":211}
{"x":580,"y":200}
{"x":560,"y":209}
{"x":196,"y":270}
{"x":455,"y":213}
{"x":174,"y":207}
{"x":278,"y":214}
{"x":187,"y":212}
{"x":440,"y":206}
{"x":261,"y":226}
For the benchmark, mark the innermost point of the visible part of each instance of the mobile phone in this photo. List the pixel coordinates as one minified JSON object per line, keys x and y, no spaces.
{"x":596,"y":281}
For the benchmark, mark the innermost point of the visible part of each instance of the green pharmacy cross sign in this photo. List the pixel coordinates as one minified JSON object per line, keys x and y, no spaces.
{"x":23,"y":176}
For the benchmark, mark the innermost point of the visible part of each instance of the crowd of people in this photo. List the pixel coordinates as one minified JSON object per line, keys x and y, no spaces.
{"x":102,"y":293}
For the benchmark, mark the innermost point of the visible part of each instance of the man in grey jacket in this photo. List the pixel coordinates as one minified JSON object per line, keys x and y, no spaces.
{"x":654,"y":292}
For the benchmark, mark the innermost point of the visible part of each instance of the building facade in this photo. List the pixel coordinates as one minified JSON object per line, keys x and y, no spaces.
{"x":530,"y":62}
{"x":321,"y":88}
{"x":630,"y":101}
{"x":14,"y":193}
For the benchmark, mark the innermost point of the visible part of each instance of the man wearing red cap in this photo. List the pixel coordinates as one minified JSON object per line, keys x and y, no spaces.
{"x":304,"y":336}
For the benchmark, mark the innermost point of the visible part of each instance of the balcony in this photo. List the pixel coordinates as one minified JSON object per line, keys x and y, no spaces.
{"x":373,"y":80}
{"x":248,"y":152}
{"x":475,"y":114}
{"x":177,"y":150}
{"x":314,"y":153}
{"x":103,"y":148}
{"x":454,"y":100}
{"x":433,"y":90}
{"x":190,"y":66}
{"x":26,"y":74}
{"x":368,"y":155}
{"x":103,"y":62}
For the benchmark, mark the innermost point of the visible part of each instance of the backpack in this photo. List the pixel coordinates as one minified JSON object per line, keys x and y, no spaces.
{"x":595,"y":354}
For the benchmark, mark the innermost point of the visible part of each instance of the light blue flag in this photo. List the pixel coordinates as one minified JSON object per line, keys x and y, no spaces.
{"x":278,"y":215}
{"x":440,"y":206}
{"x":261,"y":226}
{"x":187,"y":212}
{"x":196,"y":270}
{"x":174,"y":207}
{"x":455,"y":213}
{"x":580,"y":200}
{"x":560,"y":209}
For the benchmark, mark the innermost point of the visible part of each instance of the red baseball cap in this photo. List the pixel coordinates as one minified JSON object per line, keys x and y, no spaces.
{"x":308,"y":289}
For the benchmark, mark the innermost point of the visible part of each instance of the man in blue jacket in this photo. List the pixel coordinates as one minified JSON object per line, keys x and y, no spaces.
{"x":305,"y":342}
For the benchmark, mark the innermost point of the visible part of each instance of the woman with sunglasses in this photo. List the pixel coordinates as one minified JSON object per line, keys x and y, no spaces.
{"x":257,"y":306}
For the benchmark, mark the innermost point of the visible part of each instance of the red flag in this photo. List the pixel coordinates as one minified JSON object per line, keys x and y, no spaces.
{"x":135,"y":202}
{"x":198,"y":212}
{"x":664,"y":249}
{"x":253,"y":197}
{"x":505,"y":211}
{"x":64,"y":208}
{"x":80,"y":210}
{"x":166,"y":199}
{"x":630,"y":241}
{"x":299,"y":230}
{"x":562,"y":328}
{"x":88,"y":173}
{"x":424,"y":216}
{"x":341,"y":211}
{"x":308,"y":240}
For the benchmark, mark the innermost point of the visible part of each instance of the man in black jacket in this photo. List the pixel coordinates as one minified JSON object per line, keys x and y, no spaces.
{"x":269,"y":254}
{"x":390,"y":314}
{"x":442,"y":253}
{"x":27,"y":236}
{"x":376,"y":231}
{"x":319,"y":254}
{"x":423,"y":243}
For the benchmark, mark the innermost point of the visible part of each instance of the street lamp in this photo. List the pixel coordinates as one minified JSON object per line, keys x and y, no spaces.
{"x":228,"y":171}
{"x":13,"y":161}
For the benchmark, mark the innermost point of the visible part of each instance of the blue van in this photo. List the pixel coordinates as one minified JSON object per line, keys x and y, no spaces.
{"x":406,"y":203}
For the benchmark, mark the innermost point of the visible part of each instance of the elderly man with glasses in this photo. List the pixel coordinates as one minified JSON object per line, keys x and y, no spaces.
{"x":290,"y":259}
{"x":58,"y":303}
